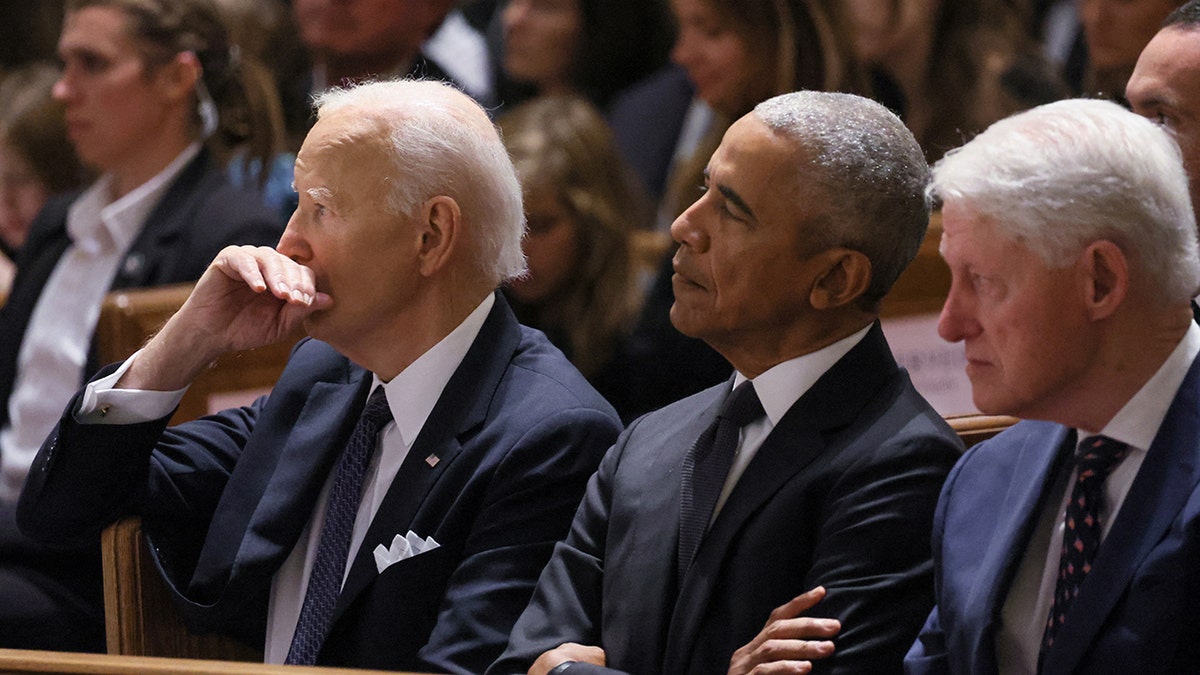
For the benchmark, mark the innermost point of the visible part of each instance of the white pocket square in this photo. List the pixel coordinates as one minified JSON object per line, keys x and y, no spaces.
{"x":402,"y":547}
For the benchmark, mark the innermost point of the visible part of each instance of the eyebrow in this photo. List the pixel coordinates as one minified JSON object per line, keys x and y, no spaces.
{"x":731,"y":195}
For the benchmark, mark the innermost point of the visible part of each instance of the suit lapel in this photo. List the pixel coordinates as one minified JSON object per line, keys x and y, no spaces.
{"x":461,"y":408}
{"x":832,"y":403}
{"x":1168,"y":476}
{"x":157,"y":243}
{"x":261,"y":516}
{"x":1040,"y":458}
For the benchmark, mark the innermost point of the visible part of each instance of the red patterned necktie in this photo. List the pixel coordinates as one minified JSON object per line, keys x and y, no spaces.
{"x":1083,"y":527}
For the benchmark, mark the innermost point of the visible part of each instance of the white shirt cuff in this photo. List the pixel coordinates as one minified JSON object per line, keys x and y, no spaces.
{"x":101,"y":404}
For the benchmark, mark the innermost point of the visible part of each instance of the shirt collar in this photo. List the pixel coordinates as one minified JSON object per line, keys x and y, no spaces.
{"x":781,"y":385}
{"x":94,"y":223}
{"x":413,"y":393}
{"x":1137,"y":422}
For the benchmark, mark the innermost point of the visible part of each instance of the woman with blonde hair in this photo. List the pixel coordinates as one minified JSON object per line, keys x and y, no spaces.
{"x":583,"y":205}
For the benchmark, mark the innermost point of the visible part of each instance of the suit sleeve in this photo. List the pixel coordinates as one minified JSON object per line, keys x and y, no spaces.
{"x":873,"y":552}
{"x":86,"y":476}
{"x":526,"y":512}
{"x":567,"y":604}
{"x":928,"y":654}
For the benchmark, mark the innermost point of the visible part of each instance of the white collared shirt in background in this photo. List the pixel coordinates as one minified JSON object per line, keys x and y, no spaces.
{"x":57,"y":341}
{"x":1027,"y":606}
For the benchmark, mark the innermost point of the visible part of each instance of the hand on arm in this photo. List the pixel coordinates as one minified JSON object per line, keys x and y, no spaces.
{"x":788,"y":642}
{"x":569,"y":651}
{"x":250,"y":296}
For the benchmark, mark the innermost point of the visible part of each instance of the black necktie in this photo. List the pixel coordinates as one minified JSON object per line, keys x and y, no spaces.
{"x":1082,"y":528}
{"x":706,"y":466}
{"x":329,"y":566}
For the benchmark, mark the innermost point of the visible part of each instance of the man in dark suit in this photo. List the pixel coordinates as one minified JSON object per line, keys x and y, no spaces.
{"x":1071,"y":542}
{"x":815,"y":203}
{"x":410,"y":215}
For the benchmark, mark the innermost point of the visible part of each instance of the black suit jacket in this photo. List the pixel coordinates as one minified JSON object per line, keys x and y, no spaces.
{"x":841,"y":493}
{"x":198,"y":216}
{"x":516,"y":432}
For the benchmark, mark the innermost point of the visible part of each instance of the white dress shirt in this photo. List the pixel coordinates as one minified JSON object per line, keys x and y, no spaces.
{"x":778,"y":389}
{"x":1023,"y":616}
{"x":411,"y":395}
{"x":55,"y":347}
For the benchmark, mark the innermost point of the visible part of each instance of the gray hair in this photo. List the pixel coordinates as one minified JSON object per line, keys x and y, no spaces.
{"x":870,"y":171}
{"x":1061,"y":176}
{"x":442,"y":143}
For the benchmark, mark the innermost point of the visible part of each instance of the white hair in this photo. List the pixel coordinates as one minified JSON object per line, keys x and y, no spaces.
{"x":442,"y":143}
{"x":870,"y":171}
{"x":1061,"y":176}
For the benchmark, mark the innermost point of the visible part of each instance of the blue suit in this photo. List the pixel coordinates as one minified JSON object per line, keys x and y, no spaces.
{"x":517,"y":431}
{"x":1138,"y":608}
{"x":841,"y":493}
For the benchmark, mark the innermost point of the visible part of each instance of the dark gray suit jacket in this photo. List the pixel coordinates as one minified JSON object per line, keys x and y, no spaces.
{"x":841,"y":494}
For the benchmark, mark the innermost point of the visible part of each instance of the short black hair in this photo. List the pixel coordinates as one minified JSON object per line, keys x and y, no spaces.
{"x":1186,"y":15}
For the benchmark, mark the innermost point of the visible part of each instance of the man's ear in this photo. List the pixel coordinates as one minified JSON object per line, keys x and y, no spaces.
{"x":439,"y":232}
{"x":176,"y":79}
{"x":1105,"y":275}
{"x":845,"y":274}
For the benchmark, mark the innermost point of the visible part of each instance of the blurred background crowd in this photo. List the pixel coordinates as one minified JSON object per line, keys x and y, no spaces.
{"x":611,"y":108}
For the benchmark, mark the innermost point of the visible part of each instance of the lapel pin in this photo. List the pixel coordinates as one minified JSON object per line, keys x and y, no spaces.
{"x":432,"y":460}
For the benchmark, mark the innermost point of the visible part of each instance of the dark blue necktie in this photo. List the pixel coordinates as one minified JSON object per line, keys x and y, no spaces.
{"x":706,"y":466}
{"x":1082,"y":528}
{"x":329,"y":566}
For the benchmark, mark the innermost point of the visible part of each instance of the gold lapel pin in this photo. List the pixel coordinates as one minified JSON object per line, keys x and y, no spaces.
{"x":432,"y":460}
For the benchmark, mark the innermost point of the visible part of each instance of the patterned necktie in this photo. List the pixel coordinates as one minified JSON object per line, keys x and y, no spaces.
{"x":706,"y":466}
{"x":329,"y":566}
{"x":1083,"y":526}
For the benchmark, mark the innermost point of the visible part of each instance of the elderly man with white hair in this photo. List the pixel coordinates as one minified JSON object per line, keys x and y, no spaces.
{"x":1071,"y":542}
{"x":391,"y":502}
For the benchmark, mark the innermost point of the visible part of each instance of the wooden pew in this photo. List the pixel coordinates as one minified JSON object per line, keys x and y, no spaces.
{"x":21,"y":661}
{"x":977,"y":428}
{"x":140,"y":617}
{"x":129,"y":318}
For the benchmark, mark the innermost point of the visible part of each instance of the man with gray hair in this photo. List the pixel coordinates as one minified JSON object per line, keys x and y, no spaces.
{"x":1071,"y":542}
{"x":392,"y":501}
{"x":816,"y":465}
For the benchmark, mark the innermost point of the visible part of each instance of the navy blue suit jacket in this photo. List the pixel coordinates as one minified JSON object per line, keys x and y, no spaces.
{"x":517,"y":431}
{"x":841,"y":493}
{"x":1137,"y":609}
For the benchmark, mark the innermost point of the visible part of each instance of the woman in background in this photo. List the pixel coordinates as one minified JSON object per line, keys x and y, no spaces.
{"x":582,"y":205}
{"x":155,"y":100}
{"x":950,"y":68}
{"x":36,"y":159}
{"x":591,"y":48}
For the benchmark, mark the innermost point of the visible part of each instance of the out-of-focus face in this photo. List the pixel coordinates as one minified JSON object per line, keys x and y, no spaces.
{"x":1117,"y":30}
{"x":551,"y":246}
{"x":21,"y":196}
{"x":541,"y":38}
{"x":884,"y":27}
{"x":367,"y":29}
{"x":362,"y":256}
{"x":715,"y":57}
{"x":113,"y":105}
{"x":1023,"y":325}
{"x":743,"y":265}
{"x":1166,"y":88}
